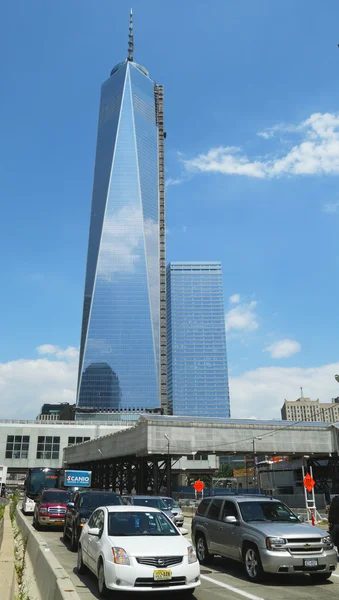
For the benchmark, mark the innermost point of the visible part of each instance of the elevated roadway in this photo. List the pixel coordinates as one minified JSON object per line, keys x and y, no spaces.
{"x":140,"y":458}
{"x":220,"y":436}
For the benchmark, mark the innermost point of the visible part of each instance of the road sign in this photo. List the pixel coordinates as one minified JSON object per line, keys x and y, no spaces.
{"x":309,"y":482}
{"x":78,"y":478}
{"x":199,"y":485}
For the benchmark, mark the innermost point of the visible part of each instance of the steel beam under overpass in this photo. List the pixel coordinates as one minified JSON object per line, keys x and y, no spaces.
{"x":130,"y":474}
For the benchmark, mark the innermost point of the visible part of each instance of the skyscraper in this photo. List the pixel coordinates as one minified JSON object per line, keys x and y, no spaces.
{"x":122,"y":362}
{"x":196,"y":340}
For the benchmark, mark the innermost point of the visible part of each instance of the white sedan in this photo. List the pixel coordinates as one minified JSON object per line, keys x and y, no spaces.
{"x":137,"y":549}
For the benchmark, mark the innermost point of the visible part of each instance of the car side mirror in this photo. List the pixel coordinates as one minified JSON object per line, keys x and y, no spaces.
{"x":70,"y":504}
{"x":231,"y":520}
{"x":94,"y":531}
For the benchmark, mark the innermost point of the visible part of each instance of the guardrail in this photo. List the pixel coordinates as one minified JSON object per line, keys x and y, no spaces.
{"x":52,"y":580}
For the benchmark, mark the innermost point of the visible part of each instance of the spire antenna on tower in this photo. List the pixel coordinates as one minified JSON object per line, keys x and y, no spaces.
{"x":130,"y":38}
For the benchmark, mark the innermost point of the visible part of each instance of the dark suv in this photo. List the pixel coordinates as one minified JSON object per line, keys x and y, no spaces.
{"x":80,"y":508}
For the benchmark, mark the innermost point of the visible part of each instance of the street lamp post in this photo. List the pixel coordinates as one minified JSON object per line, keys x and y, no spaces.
{"x":256,"y":473}
{"x":169,"y":474}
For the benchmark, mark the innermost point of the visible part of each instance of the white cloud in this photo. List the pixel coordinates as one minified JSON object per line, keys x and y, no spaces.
{"x":25,"y":384}
{"x":331,"y":208}
{"x":242,"y":318}
{"x":174,"y":230}
{"x":68,"y":353}
{"x":316,"y":152}
{"x":235,"y":299}
{"x":170,"y":181}
{"x":122,"y":242}
{"x":262,"y":392}
{"x":283,"y":348}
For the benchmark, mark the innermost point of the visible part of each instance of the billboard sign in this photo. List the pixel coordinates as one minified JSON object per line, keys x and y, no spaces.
{"x":78,"y":478}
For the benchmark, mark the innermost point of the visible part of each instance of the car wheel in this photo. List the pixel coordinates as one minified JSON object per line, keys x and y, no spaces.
{"x":252,"y":564}
{"x":188,"y":593}
{"x":74,"y":541}
{"x":318,"y":577}
{"x":80,"y":565}
{"x":36,"y":524}
{"x":103,"y":591}
{"x":65,"y":535}
{"x":203,"y":554}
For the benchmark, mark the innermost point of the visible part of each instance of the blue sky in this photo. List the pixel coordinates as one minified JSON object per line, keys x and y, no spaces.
{"x":252,"y":165}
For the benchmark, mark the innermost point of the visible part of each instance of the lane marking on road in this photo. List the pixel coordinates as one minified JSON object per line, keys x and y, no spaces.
{"x":334,"y":575}
{"x":231,"y":589}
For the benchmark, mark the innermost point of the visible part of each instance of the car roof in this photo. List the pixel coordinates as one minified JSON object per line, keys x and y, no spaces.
{"x":143,"y":496}
{"x":97,"y":492}
{"x":243,"y":497}
{"x":57,"y":490}
{"x":130,"y":508}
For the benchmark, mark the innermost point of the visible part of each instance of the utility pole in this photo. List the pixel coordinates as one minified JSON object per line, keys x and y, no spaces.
{"x":169,"y":474}
{"x":255,"y":467}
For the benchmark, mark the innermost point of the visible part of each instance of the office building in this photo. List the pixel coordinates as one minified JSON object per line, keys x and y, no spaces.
{"x":57,"y":412}
{"x":305,"y":409}
{"x":196,"y":340}
{"x":122,"y":364}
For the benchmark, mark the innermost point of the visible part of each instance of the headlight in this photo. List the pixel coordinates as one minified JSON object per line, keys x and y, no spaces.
{"x":192,"y":557}
{"x":120,"y":556}
{"x":43,"y":511}
{"x":327,"y":541}
{"x":275,"y":543}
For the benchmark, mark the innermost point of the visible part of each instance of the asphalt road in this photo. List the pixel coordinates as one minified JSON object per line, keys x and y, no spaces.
{"x":225,"y":579}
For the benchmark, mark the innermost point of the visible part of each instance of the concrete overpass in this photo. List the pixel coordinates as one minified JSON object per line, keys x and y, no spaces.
{"x":140,"y":457}
{"x":222,"y":436}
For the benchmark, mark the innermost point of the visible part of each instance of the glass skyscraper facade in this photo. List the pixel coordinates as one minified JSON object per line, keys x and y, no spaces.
{"x":196,"y":340}
{"x":121,"y":366}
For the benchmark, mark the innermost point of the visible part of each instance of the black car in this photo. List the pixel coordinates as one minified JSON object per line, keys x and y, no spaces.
{"x":80,"y":508}
{"x":333,"y":520}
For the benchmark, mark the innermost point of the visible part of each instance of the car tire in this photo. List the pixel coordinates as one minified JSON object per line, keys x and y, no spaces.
{"x":204,"y":557}
{"x":81,"y":567}
{"x":104,"y":592}
{"x":74,"y":540}
{"x":36,"y":524}
{"x":319,"y":577}
{"x":65,"y":535}
{"x":188,"y":593}
{"x":252,"y":563}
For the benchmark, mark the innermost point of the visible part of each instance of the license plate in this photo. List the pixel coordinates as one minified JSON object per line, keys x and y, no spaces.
{"x":59,"y":522}
{"x":310,"y":563}
{"x":162,"y":574}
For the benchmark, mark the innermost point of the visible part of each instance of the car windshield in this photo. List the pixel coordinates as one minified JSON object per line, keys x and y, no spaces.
{"x":139,"y":523}
{"x":95,"y":500}
{"x":171,"y":503}
{"x":62,"y":497}
{"x":154,"y":502}
{"x":266,"y":511}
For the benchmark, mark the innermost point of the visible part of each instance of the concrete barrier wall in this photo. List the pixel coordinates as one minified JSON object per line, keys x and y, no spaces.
{"x":52,"y":580}
{"x":7,"y":561}
{"x":1,"y":530}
